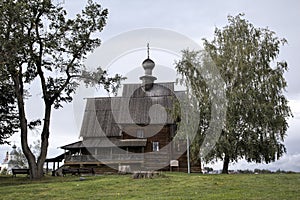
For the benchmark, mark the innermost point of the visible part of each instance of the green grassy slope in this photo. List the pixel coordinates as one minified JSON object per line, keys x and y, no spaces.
{"x":170,"y":186}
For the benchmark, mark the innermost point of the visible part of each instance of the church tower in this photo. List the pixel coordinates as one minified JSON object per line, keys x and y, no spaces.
{"x":13,"y":153}
{"x":148,"y":79}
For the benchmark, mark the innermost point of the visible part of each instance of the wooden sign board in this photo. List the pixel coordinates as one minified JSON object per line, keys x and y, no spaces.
{"x":174,"y":163}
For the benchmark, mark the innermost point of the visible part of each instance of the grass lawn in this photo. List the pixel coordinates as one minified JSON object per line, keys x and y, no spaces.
{"x":169,"y":186}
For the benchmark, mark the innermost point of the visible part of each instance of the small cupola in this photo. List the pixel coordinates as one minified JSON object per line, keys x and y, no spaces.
{"x":148,"y":79}
{"x":14,"y":151}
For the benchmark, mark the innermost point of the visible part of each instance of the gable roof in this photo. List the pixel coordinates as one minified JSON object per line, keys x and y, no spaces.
{"x":105,"y":116}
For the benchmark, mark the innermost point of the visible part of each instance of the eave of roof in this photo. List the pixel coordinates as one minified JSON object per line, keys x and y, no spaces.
{"x":56,"y":159}
{"x":105,"y":142}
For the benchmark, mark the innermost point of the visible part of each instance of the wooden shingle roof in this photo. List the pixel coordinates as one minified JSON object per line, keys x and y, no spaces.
{"x":105,"y":116}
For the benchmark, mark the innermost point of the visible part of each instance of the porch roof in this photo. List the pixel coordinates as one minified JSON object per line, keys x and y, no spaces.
{"x":105,"y":142}
{"x":56,"y":159}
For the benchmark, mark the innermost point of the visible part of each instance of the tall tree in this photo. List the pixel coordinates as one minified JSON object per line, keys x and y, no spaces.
{"x":257,"y":110}
{"x":203,"y":109}
{"x":38,"y":43}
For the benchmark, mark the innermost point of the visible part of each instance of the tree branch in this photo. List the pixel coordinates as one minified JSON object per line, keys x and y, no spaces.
{"x":39,"y":59}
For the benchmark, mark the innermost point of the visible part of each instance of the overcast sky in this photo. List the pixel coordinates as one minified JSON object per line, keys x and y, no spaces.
{"x":195,"y":19}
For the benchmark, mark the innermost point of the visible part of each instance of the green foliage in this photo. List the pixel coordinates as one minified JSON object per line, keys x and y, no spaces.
{"x":205,"y":98}
{"x":257,"y":110}
{"x":3,"y":171}
{"x":39,"y":44}
{"x":38,"y":41}
{"x":8,"y":114}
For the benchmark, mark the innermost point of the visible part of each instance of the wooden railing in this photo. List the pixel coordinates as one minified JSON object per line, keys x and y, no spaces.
{"x":110,"y":157}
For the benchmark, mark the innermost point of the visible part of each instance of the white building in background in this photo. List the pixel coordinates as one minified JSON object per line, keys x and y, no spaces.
{"x":10,"y":160}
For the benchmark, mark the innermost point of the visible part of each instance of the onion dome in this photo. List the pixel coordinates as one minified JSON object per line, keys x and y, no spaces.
{"x":14,"y":151}
{"x":148,"y":66}
{"x":148,"y":79}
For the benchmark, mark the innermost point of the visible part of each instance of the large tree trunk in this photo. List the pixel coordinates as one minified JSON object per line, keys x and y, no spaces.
{"x":37,"y":169}
{"x":225,"y":164}
{"x":27,"y":152}
{"x":35,"y":165}
{"x":18,"y":87}
{"x":44,"y":140}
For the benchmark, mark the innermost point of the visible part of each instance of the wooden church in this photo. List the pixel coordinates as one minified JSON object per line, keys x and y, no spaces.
{"x":135,"y":131}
